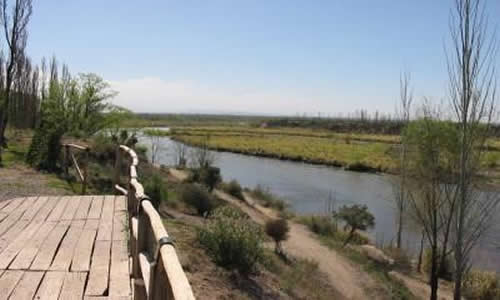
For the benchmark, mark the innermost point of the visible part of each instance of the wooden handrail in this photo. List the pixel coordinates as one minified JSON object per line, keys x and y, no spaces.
{"x":69,"y":156}
{"x":156,"y":270}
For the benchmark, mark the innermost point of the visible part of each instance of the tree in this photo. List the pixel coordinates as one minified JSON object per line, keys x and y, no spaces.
{"x":356,"y":217}
{"x":278,"y":230}
{"x":472,"y":88}
{"x":15,"y":27}
{"x":181,"y":154}
{"x":202,"y":157}
{"x":432,"y":145}
{"x":400,"y":189}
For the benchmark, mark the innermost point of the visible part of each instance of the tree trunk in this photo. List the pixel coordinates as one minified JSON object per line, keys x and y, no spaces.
{"x":434,"y":280}
{"x":421,"y":252}
{"x":349,"y":238}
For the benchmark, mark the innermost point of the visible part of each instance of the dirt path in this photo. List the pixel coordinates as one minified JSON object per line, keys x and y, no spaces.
{"x":345,"y":277}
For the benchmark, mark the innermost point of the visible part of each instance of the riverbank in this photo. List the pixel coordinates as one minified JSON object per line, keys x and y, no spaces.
{"x":350,"y":151}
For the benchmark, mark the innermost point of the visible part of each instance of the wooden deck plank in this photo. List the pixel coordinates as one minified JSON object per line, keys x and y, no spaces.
{"x":33,"y":210}
{"x":119,"y":282}
{"x":8,"y":282}
{"x":74,"y":283}
{"x":27,"y":254}
{"x":58,"y":210}
{"x":91,"y":224}
{"x":70,"y":210}
{"x":120,"y":203}
{"x":106,"y":224}
{"x":4,"y":203}
{"x":83,"y":209}
{"x":96,"y":207}
{"x":12,"y":205}
{"x":16,"y":215}
{"x":3,"y":216}
{"x":81,"y":257}
{"x":50,"y":288}
{"x":17,"y":244}
{"x":46,"y":210}
{"x":49,"y":247}
{"x":120,"y":226}
{"x":62,"y":261}
{"x":99,"y":269}
{"x":12,"y":234}
{"x":27,"y":286}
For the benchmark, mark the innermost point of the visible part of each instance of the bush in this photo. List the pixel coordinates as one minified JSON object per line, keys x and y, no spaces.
{"x":320,"y":225}
{"x":233,"y":240}
{"x":156,"y":189}
{"x":198,"y":197}
{"x":446,"y":272}
{"x":208,"y":176}
{"x":267,"y":199}
{"x":278,"y":230}
{"x":481,"y":285}
{"x":356,"y":217}
{"x":234,"y":189}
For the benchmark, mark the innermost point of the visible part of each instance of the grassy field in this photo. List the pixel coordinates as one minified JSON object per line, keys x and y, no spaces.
{"x":356,"y":151}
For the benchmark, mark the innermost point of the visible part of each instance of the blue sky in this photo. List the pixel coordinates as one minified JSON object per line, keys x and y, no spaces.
{"x":279,"y":57}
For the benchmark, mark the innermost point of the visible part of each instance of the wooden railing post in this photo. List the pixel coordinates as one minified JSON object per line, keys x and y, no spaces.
{"x":140,"y":246}
{"x":118,"y":163}
{"x":86,"y":171}
{"x":66,"y":160}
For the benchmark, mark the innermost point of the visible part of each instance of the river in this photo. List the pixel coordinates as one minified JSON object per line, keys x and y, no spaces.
{"x":307,"y":188}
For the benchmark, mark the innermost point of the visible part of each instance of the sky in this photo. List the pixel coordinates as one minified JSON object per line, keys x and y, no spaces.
{"x":282,"y":57}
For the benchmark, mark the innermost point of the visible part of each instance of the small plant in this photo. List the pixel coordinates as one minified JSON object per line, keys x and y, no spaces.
{"x":198,"y":197}
{"x":356,"y":217}
{"x":267,"y":199}
{"x":481,"y":285}
{"x":208,"y":176}
{"x":321,"y":225}
{"x":445,"y":272}
{"x":278,"y":230}
{"x":233,"y":240}
{"x":156,"y":189}
{"x":234,"y":189}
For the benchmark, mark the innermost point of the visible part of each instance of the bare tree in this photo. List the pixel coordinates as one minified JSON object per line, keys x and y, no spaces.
{"x":202,"y":157}
{"x":181,"y":154}
{"x":15,"y":29}
{"x":14,"y":25}
{"x":400,"y":189}
{"x":156,"y":146}
{"x":472,"y":87}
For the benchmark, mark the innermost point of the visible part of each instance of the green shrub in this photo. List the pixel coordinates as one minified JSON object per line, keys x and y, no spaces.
{"x":481,"y":285}
{"x":156,"y":189}
{"x":208,"y":176}
{"x":233,"y":240}
{"x":234,"y":189}
{"x":278,"y":230}
{"x":321,"y":225}
{"x":267,"y":199}
{"x":198,"y":197}
{"x":445,"y":272}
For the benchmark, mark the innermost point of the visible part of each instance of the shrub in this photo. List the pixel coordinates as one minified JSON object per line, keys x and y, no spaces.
{"x":267,"y":199}
{"x":481,"y":285}
{"x":321,"y":225}
{"x":233,"y":240}
{"x":356,"y":217}
{"x":156,"y":189}
{"x":445,"y":272}
{"x":234,"y":189}
{"x":198,"y":197}
{"x":278,"y":230}
{"x":208,"y":176}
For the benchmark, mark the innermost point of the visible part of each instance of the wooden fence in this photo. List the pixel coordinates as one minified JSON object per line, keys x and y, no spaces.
{"x":70,"y":159}
{"x":156,"y":271}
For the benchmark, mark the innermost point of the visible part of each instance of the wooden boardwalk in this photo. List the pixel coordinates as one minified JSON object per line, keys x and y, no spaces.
{"x":64,"y":247}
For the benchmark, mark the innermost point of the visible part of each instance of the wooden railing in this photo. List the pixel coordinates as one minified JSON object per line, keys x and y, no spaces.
{"x":156,"y":271}
{"x":70,"y":159}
